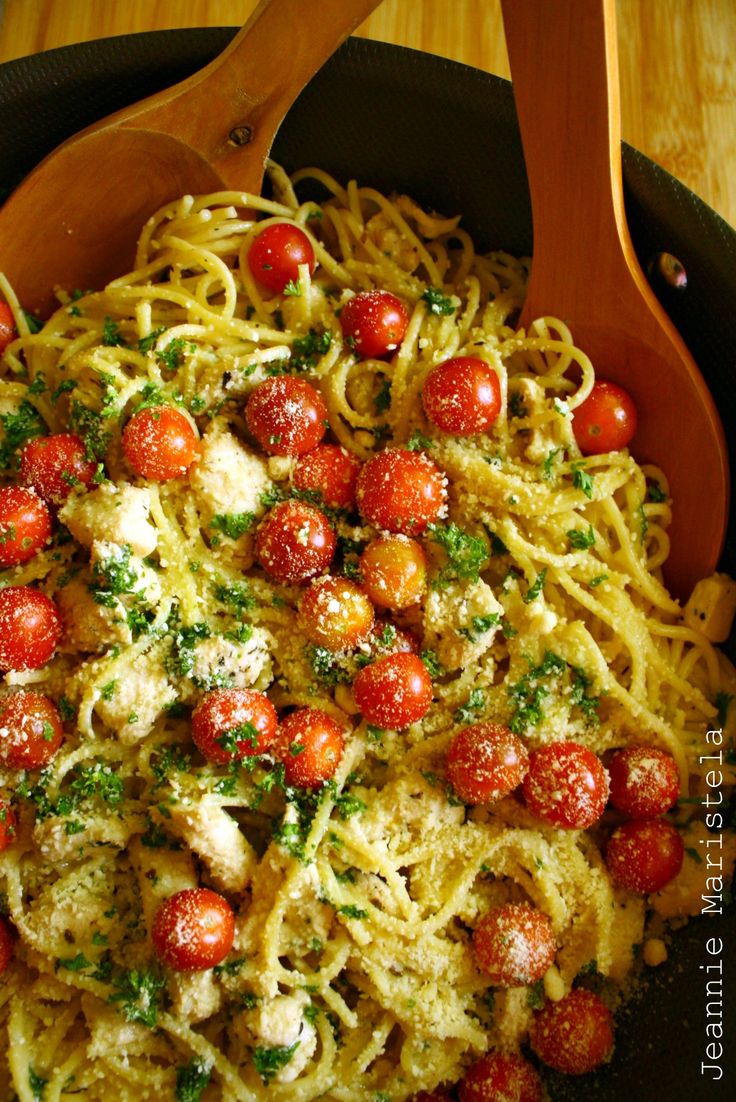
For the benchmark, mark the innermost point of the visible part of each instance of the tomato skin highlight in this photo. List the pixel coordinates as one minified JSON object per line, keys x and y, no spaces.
{"x":330,"y":471}
{"x":393,"y":692}
{"x":335,"y":613}
{"x":374,"y":324}
{"x":514,"y":944}
{"x":221,"y":712}
{"x":31,"y":730}
{"x":53,"y":465}
{"x":485,"y":762}
{"x":606,"y":421}
{"x":501,"y":1077}
{"x":574,"y":1035}
{"x":462,"y":396}
{"x":401,"y":491}
{"x":7,"y":824}
{"x":276,"y":253}
{"x":645,"y":781}
{"x":644,"y":854}
{"x":160,"y":443}
{"x":295,"y":542}
{"x":287,"y":416}
{"x":7,"y":944}
{"x":25,"y":525}
{"x":394,"y":570}
{"x":566,"y":786}
{"x":8,"y":332}
{"x":310,"y":745}
{"x":30,"y":628}
{"x":193,"y":930}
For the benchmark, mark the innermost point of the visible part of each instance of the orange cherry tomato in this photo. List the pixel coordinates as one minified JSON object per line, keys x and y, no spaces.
{"x":394,"y":571}
{"x":25,"y":525}
{"x":574,"y":1035}
{"x":193,"y":930}
{"x":462,"y":396}
{"x":160,"y":443}
{"x":514,"y":944}
{"x":486,"y":762}
{"x":501,"y":1077}
{"x":53,"y":465}
{"x":393,"y":692}
{"x":606,"y":421}
{"x":31,"y":730}
{"x":30,"y":628}
{"x":295,"y":542}
{"x":7,"y":944}
{"x":231,"y":724}
{"x":645,"y":781}
{"x":330,"y":471}
{"x":644,"y":854}
{"x":335,"y":613}
{"x":7,"y":824}
{"x":276,"y":253}
{"x":374,"y":323}
{"x":310,"y":745}
{"x":567,"y":785}
{"x":401,"y":491}
{"x":8,"y":332}
{"x":286,"y":415}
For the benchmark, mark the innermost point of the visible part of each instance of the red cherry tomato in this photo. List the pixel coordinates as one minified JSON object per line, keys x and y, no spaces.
{"x":25,"y":525}
{"x":386,"y":638}
{"x":394,"y":570}
{"x":310,"y":744}
{"x":401,"y":491}
{"x":7,"y":944}
{"x":462,"y":396}
{"x":30,"y":628}
{"x":7,"y":824}
{"x":193,"y":930}
{"x":485,"y":762}
{"x":276,"y":253}
{"x":574,"y":1035}
{"x":394,"y":691}
{"x":606,"y":420}
{"x":335,"y":613}
{"x":330,"y":471}
{"x":514,"y":944}
{"x":295,"y":542}
{"x":53,"y":465}
{"x":8,"y":332}
{"x":231,"y":724}
{"x":645,"y":781}
{"x":501,"y":1077}
{"x":374,"y":323}
{"x":567,"y":785}
{"x":286,"y":415}
{"x":160,"y":443}
{"x":644,"y":854}
{"x":31,"y":730}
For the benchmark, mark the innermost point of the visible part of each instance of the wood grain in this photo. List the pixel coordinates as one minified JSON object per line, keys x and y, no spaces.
{"x":678,"y":77}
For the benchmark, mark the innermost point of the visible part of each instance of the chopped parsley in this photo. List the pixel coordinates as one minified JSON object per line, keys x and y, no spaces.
{"x":534,"y":590}
{"x":293,"y":288}
{"x":382,"y":400}
{"x":233,"y":525}
{"x":145,"y":344}
{"x":74,"y":964}
{"x":237,"y":597}
{"x":268,"y":1062}
{"x":581,"y":479}
{"x":113,"y":574}
{"x":432,"y":662}
{"x":87,"y":423}
{"x":517,"y":406}
{"x":324,"y":666}
{"x":479,"y":626}
{"x":191,"y":1080}
{"x":655,"y":492}
{"x":37,"y":1084}
{"x":111,"y":335}
{"x":581,"y":539}
{"x":437,"y":302}
{"x":417,"y":442}
{"x":350,"y":910}
{"x":137,"y":995}
{"x":306,"y":351}
{"x":529,"y":692}
{"x":475,"y":703}
{"x":18,"y":429}
{"x":171,"y":357}
{"x":466,"y":554}
{"x":548,"y":463}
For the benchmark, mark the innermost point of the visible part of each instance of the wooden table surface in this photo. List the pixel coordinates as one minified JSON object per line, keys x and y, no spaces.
{"x":678,"y":73}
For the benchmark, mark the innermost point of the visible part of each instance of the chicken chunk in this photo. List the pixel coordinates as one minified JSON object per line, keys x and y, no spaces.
{"x":214,"y":836}
{"x":88,"y":626}
{"x":134,"y":703}
{"x":475,"y":611}
{"x":227,"y":477}
{"x":116,"y":513}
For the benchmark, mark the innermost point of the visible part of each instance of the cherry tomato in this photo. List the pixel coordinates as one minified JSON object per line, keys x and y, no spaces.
{"x":567,"y":785}
{"x":486,"y":762}
{"x":606,"y":420}
{"x":330,"y":471}
{"x":394,"y":570}
{"x":514,"y":944}
{"x":193,"y":930}
{"x":295,"y":542}
{"x":374,"y":323}
{"x":31,"y":730}
{"x":401,"y":491}
{"x":7,"y":824}
{"x":286,"y":415}
{"x":7,"y":944}
{"x":160,"y":443}
{"x":276,"y":253}
{"x":8,"y":332}
{"x":394,"y":691}
{"x":25,"y":525}
{"x":387,"y":638}
{"x":53,"y":465}
{"x":644,"y":854}
{"x":574,"y":1035}
{"x":30,"y":628}
{"x":335,"y":613}
{"x":462,"y":396}
{"x":645,"y":781}
{"x":431,"y":1096}
{"x":501,"y":1077}
{"x":310,"y":744}
{"x":231,"y":724}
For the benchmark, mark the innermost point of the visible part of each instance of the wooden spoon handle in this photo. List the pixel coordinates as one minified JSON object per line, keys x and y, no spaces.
{"x":230,"y":110}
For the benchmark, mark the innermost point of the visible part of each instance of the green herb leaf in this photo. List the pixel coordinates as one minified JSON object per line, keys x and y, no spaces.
{"x":191,"y":1080}
{"x":466,"y":554}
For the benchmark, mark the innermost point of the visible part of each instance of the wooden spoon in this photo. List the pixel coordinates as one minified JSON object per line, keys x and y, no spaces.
{"x":564,"y":68}
{"x":74,"y":220}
